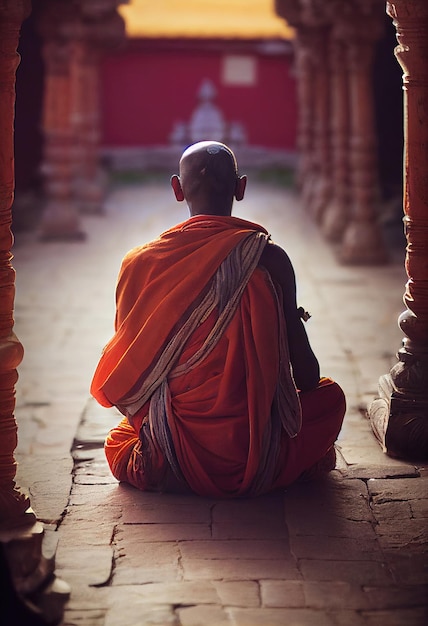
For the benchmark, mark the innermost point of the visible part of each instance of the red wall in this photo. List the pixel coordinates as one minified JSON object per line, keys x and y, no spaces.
{"x":149,"y":85}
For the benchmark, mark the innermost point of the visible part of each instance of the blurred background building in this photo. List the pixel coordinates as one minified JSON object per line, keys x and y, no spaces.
{"x":183,"y":71}
{"x":194,"y":70}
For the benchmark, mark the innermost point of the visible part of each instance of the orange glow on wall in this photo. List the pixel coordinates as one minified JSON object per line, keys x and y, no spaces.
{"x":241,"y":19}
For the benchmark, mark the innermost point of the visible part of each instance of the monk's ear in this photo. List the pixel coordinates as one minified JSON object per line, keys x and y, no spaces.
{"x":241,"y":184}
{"x":176,"y":186}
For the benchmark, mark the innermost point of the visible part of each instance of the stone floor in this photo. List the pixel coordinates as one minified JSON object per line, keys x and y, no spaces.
{"x":349,"y":550}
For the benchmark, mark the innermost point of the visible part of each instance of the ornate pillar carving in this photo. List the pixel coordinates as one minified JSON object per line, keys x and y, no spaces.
{"x":61,"y":32}
{"x":303,"y":53}
{"x":306,"y":99}
{"x":338,"y":174}
{"x":336,"y":213}
{"x":88,"y":183}
{"x":103,"y":29}
{"x":362,"y":241}
{"x":317,"y":192}
{"x":21,"y":536}
{"x":75,"y":33}
{"x":399,"y":417}
{"x":12,"y":503}
{"x":309,"y":18}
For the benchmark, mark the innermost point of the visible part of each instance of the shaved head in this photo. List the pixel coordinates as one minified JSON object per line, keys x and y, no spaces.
{"x":209,"y":177}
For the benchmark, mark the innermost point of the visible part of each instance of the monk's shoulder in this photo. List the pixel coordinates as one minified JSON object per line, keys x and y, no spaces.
{"x":135,"y":256}
{"x":278,"y":263}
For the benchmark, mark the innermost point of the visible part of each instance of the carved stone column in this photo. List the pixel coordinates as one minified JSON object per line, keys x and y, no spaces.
{"x":103,"y":29}
{"x":336,"y":213}
{"x":12,"y":503}
{"x":29,"y":573}
{"x":362,"y":241}
{"x":309,"y":18}
{"x":61,"y":32}
{"x":399,"y":417}
{"x":317,"y":195}
{"x":305,"y":94}
{"x":303,"y":53}
{"x":89,"y":184}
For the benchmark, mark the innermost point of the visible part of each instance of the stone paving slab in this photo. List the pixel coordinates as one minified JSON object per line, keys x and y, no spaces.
{"x":141,"y":614}
{"x":279,"y":617}
{"x":366,"y":472}
{"x":342,"y":498}
{"x":334,"y":548}
{"x":239,"y":569}
{"x":183,"y":593}
{"x":88,"y":598}
{"x":237,"y":530}
{"x":168,"y":513}
{"x":82,"y":617}
{"x":400,"y":617}
{"x":392,"y":490}
{"x":348,"y":550}
{"x":358,"y":573}
{"x":408,"y":568}
{"x":93,"y":565}
{"x":235,"y":549}
{"x":34,"y":475}
{"x":153,"y":532}
{"x":409,"y":534}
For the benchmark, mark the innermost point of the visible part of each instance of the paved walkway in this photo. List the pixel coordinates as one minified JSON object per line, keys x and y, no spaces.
{"x":345,"y":551}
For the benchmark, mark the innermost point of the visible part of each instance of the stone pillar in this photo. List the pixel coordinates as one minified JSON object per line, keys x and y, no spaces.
{"x":399,"y":417}
{"x":308,"y":17}
{"x":362,"y":241}
{"x":61,"y":32}
{"x":319,"y":191}
{"x":336,"y":213}
{"x":21,"y":535}
{"x":339,"y":181}
{"x":12,"y":503}
{"x":89,"y":184}
{"x":305,"y":94}
{"x":104,"y":29}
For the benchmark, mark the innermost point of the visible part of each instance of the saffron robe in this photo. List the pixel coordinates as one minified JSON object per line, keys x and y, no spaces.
{"x":225,"y":426}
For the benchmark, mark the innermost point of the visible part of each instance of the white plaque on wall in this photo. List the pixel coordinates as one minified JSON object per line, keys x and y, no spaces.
{"x":239,"y":70}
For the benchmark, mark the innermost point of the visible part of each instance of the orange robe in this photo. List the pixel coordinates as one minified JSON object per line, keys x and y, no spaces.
{"x":221,"y":433}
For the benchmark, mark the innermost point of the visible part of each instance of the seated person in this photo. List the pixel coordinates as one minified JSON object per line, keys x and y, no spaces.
{"x":210,"y":363}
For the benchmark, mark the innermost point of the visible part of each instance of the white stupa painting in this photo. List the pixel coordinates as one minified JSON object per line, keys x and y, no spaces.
{"x":207,"y":122}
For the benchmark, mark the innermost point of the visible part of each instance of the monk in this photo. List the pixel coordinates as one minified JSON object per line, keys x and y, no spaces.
{"x":210,"y":363}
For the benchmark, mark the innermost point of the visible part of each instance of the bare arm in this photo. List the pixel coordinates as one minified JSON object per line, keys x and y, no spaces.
{"x":304,"y":362}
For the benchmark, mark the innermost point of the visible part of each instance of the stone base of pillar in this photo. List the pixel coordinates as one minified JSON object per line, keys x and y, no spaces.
{"x":91,"y":194}
{"x":400,"y":422}
{"x":15,"y":508}
{"x":320,"y":197}
{"x":33,"y":594}
{"x":362,"y":244}
{"x":307,"y":189}
{"x":91,"y":201}
{"x":334,"y":220}
{"x":60,"y":222}
{"x":26,"y":210}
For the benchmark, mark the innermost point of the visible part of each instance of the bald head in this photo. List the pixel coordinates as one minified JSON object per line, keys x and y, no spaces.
{"x":209,"y":179}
